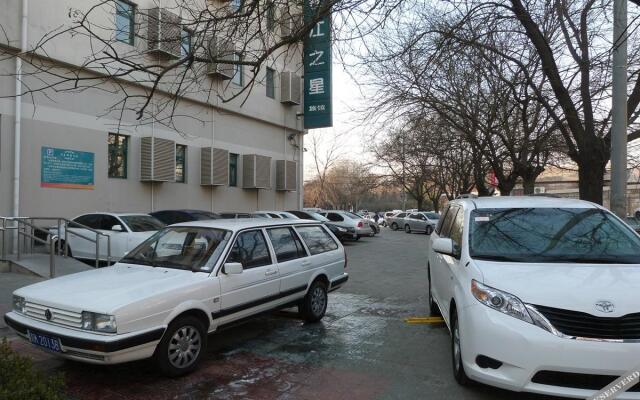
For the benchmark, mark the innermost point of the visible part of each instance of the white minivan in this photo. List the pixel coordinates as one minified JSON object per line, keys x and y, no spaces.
{"x":540,"y":294}
{"x":187,"y":280}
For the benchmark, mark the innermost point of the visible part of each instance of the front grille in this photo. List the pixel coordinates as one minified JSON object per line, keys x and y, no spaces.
{"x":61,"y":317}
{"x":580,"y":324}
{"x":577,"y":381}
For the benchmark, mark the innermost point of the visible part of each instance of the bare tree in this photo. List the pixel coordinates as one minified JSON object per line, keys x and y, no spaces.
{"x":325,"y":151}
{"x":572,"y":41}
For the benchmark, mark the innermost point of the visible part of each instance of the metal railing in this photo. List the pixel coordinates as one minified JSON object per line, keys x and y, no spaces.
{"x":26,"y":229}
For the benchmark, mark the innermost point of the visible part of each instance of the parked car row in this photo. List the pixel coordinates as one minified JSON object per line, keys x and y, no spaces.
{"x":413,"y":222}
{"x":118,"y":233}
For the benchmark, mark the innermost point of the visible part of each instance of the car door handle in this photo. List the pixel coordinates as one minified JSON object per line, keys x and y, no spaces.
{"x":270,"y":272}
{"x":306,"y":263}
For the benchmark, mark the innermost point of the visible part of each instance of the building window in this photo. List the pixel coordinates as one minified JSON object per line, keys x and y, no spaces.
{"x":233,"y":169}
{"x":125,"y":18}
{"x":271,"y":16}
{"x":271,"y":89}
{"x":118,"y":151}
{"x":181,"y":163}
{"x":185,"y":42}
{"x":237,"y":70}
{"x":236,"y":5}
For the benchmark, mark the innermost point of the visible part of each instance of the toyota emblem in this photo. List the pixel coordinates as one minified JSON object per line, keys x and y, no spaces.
{"x":605,"y":306}
{"x":47,"y":314}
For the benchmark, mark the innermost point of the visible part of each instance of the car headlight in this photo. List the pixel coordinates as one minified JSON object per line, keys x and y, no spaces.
{"x":341,"y":229}
{"x":98,"y":322}
{"x":18,"y":304}
{"x":501,"y":301}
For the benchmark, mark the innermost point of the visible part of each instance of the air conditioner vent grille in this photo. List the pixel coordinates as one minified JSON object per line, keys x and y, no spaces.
{"x":157,"y":160}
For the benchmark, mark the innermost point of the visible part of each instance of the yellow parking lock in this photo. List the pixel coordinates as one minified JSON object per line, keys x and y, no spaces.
{"x":424,"y":320}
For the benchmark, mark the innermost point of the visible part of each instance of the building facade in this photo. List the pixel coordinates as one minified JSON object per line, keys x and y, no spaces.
{"x":79,"y":152}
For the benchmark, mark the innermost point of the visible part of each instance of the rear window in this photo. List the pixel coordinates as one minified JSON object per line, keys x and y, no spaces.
{"x":317,"y":239}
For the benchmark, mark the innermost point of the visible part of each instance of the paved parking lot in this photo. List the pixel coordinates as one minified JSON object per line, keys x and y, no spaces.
{"x":363,"y":349}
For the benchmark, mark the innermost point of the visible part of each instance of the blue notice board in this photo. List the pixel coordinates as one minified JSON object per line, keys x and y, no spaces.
{"x":67,"y":169}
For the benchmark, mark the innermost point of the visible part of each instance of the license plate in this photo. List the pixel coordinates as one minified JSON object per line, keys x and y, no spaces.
{"x":47,"y":342}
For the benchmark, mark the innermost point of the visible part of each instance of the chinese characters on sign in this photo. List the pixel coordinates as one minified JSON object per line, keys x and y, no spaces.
{"x":66,"y":169}
{"x":317,"y":70}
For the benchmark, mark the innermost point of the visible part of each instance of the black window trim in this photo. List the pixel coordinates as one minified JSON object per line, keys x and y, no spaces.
{"x":455,"y":209}
{"x":217,"y":270}
{"x":292,"y":229}
{"x":266,"y":239}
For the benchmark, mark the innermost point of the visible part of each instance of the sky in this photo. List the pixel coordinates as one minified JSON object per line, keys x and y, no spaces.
{"x":347,"y":98}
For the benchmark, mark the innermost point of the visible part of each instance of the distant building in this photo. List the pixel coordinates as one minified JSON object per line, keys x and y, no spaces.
{"x":565,"y":184}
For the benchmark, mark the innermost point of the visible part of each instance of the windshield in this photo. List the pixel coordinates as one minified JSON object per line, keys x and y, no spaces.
{"x":431,"y":215}
{"x":142,"y":223}
{"x":588,"y":235}
{"x":186,"y":248}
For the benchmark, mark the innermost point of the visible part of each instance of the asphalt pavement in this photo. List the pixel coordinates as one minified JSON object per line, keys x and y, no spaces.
{"x":363,"y":348}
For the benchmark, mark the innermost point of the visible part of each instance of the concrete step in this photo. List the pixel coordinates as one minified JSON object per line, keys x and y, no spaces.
{"x":38,"y":265}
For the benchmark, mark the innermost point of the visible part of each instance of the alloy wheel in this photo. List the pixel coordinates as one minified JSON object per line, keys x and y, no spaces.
{"x":318,"y":300}
{"x":184,"y":347}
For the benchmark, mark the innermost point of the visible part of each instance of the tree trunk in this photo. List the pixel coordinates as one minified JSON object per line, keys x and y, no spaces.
{"x":506,"y":186}
{"x":419,"y":201}
{"x":591,"y":177}
{"x":528,"y":184}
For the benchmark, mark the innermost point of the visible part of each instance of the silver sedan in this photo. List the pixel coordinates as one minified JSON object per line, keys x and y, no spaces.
{"x":421,"y":222}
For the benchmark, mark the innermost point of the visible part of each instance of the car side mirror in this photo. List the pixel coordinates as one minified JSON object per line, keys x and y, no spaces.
{"x":117,"y":228}
{"x":232,"y":268}
{"x":444,"y":246}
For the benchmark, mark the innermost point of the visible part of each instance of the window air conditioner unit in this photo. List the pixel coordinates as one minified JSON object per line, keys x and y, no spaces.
{"x":286,"y":175}
{"x":157,"y":160}
{"x":214,"y":167}
{"x":290,"y":88}
{"x":256,"y":171}
{"x":163,"y":32}
{"x":539,"y":189}
{"x":220,"y":51}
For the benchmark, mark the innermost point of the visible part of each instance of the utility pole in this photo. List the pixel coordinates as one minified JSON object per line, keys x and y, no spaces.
{"x":404,"y":190}
{"x":618,"y":193}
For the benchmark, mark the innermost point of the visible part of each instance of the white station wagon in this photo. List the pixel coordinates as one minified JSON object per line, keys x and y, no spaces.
{"x":164,"y":297}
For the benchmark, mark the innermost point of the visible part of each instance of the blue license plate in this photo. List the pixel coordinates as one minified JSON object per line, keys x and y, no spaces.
{"x":47,"y":342}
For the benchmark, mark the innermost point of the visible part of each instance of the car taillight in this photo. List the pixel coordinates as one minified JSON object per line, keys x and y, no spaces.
{"x":345,"y":258}
{"x":360,"y":224}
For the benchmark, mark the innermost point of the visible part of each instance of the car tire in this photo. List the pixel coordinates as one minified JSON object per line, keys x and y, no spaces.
{"x":182,"y":346}
{"x":407,"y":229}
{"x":394,"y":226}
{"x":314,"y":304}
{"x":456,"y":352}
{"x":434,"y":310}
{"x":62,"y":246}
{"x":428,"y":230}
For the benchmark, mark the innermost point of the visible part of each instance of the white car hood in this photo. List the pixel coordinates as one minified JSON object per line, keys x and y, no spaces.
{"x":575,"y":287}
{"x":107,"y":289}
